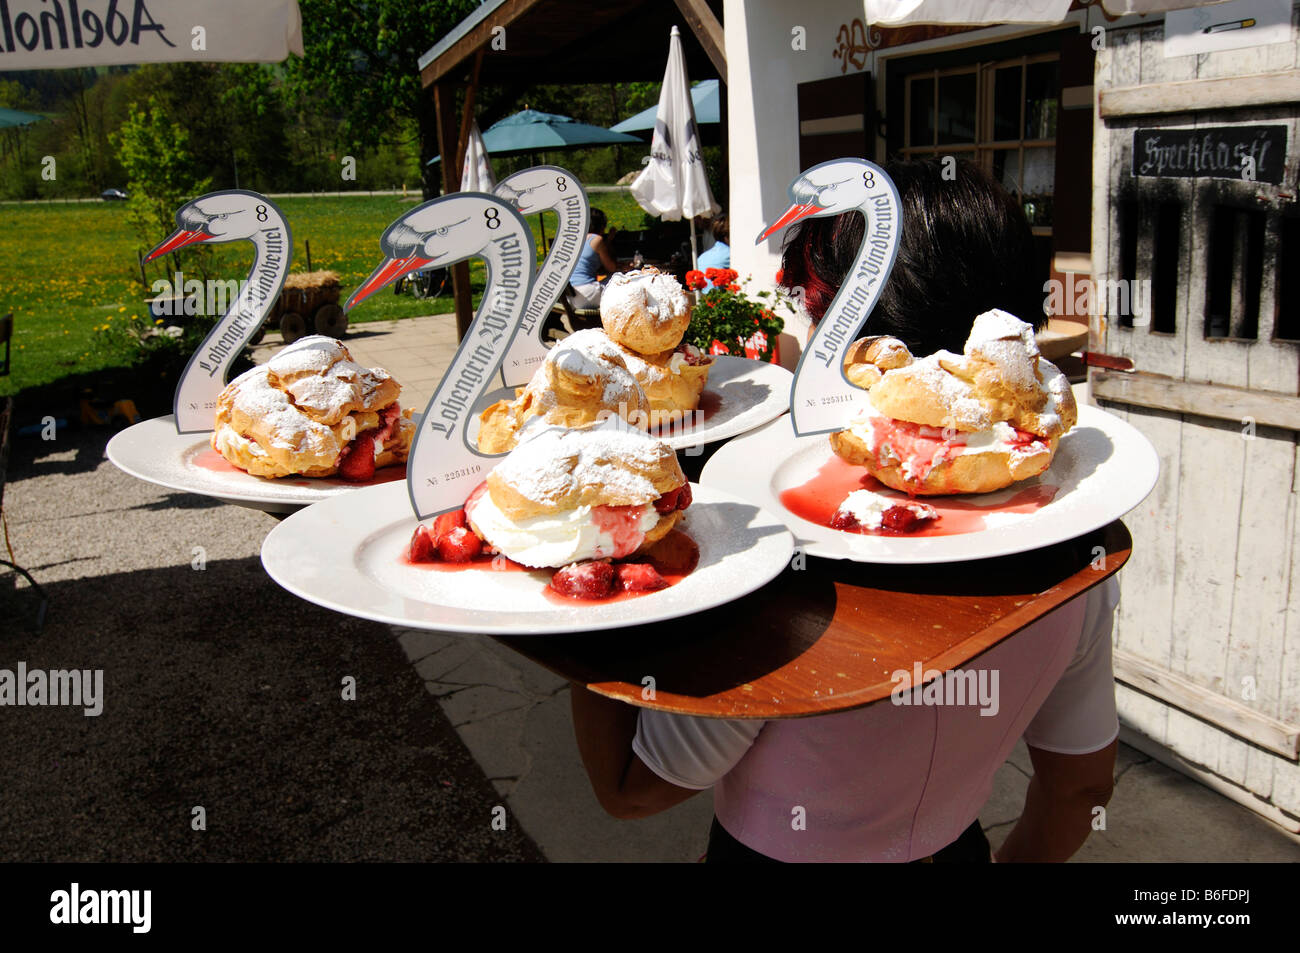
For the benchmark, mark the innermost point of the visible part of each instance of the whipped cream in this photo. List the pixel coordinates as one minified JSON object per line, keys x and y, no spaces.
{"x":868,"y":508}
{"x":1000,"y":438}
{"x":558,"y":539}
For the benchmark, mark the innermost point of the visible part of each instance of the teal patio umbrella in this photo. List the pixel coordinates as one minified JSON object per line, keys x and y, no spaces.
{"x":11,"y":118}
{"x":703,"y":94}
{"x":534,"y":131}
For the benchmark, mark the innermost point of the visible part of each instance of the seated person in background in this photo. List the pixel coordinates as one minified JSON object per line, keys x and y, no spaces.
{"x":597,"y":257}
{"x":719,"y":254}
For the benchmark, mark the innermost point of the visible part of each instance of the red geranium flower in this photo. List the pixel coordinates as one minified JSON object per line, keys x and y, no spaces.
{"x":733,"y":287}
{"x":695,"y":280}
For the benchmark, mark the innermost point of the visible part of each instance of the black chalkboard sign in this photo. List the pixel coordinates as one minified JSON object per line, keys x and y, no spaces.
{"x":1221,"y":152}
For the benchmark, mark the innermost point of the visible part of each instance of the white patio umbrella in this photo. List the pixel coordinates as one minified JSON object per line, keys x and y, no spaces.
{"x":37,"y":34}
{"x":675,"y":183}
{"x":477,"y":175}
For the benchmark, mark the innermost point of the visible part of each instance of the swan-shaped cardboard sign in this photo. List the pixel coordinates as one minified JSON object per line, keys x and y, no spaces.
{"x":445,"y":465}
{"x":228,"y":216}
{"x":821,"y":395}
{"x":532,"y":192}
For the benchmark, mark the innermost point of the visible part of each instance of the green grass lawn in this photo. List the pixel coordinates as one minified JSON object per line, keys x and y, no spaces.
{"x":66,"y":270}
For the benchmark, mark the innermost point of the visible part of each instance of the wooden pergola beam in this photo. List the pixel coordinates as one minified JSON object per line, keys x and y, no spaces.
{"x":708,"y":31}
{"x":478,"y":37}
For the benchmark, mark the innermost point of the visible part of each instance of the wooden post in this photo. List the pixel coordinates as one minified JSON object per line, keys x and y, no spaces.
{"x":462,"y":144}
{"x":444,"y":98}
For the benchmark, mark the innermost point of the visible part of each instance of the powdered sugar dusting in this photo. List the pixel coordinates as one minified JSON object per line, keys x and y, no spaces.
{"x":967,"y":411}
{"x":256,"y":398}
{"x":659,"y":295}
{"x":591,"y":353}
{"x":1007,"y":343}
{"x":330,"y":381}
{"x":557,"y":461}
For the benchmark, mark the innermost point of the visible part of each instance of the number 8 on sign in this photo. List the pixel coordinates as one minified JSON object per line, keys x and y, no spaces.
{"x":444,"y":465}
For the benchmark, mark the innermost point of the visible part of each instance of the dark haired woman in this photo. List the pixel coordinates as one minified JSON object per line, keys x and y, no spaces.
{"x":597,"y":258}
{"x":887,"y":782}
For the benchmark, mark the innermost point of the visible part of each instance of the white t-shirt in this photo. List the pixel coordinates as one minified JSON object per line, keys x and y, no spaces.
{"x":1058,"y":688}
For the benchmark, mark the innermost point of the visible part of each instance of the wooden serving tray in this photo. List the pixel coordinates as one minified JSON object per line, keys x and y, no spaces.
{"x":827,"y":637}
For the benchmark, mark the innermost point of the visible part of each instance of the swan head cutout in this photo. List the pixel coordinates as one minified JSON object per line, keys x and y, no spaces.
{"x":535,"y":190}
{"x":438,"y":233}
{"x":827,"y":189}
{"x":218,"y":217}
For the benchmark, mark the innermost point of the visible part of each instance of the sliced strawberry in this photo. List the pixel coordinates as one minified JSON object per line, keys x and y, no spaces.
{"x":589,"y":580}
{"x":639,"y":577}
{"x":358,"y":462}
{"x":668,"y":502}
{"x":899,"y":519}
{"x":444,"y":524}
{"x":673,"y":500}
{"x":844,"y":520}
{"x":422,"y":548}
{"x":459,"y":545}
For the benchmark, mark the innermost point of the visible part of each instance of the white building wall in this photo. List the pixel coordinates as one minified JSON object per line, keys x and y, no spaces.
{"x":765,"y":69}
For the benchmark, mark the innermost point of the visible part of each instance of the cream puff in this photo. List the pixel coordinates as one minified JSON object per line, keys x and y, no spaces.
{"x":646,"y":313}
{"x":312,"y":411}
{"x":957,"y":423}
{"x":583,"y":380}
{"x":563,"y":496}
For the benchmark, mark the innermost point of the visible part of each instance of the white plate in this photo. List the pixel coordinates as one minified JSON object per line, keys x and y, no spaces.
{"x":346,"y":554}
{"x":740,"y":395}
{"x":1102,"y":469}
{"x":153,"y":451}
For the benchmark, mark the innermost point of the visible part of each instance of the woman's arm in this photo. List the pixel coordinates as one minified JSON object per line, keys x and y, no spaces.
{"x":624,"y":786}
{"x":608,"y":262}
{"x":1059,"y":805}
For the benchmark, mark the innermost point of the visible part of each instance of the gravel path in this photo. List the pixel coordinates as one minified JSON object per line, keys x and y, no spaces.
{"x":221,"y":691}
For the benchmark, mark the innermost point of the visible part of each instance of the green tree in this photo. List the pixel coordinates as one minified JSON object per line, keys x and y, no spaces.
{"x":362,"y":63}
{"x":154,"y":150}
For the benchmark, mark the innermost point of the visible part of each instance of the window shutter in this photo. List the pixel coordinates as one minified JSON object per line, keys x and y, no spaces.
{"x":1072,"y":195}
{"x":836,"y":119}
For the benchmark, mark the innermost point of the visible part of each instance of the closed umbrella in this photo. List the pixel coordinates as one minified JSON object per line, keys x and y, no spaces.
{"x":675,"y":183}
{"x":477,"y":175}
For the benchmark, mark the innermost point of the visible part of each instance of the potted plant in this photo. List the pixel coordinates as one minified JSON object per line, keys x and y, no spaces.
{"x":727,"y":320}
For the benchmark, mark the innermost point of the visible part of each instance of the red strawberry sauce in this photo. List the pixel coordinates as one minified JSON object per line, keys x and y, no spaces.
{"x":209,"y":459}
{"x":819,"y":498}
{"x":675,"y":557}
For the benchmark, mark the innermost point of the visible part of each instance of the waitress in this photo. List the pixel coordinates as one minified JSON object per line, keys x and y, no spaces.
{"x":886,"y":782}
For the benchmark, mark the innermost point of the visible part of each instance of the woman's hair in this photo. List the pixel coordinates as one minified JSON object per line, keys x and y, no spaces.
{"x":966,"y":248}
{"x":597,"y":225}
{"x":721,"y":228}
